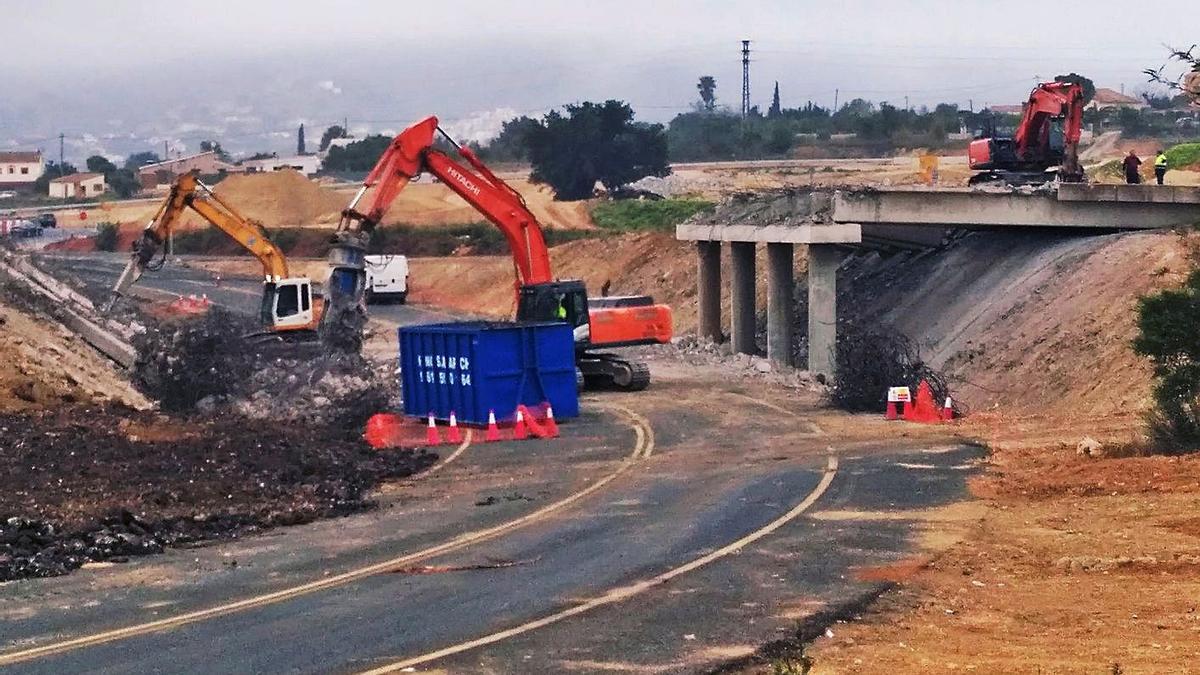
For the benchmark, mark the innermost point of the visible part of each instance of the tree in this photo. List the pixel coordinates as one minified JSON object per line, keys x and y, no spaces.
{"x":335,"y":131}
{"x":100,"y":164}
{"x":139,"y":159}
{"x":215,"y":146}
{"x":775,"y":110}
{"x":1089,"y":87}
{"x":357,"y":156}
{"x":123,"y":182}
{"x":1189,"y":82}
{"x":595,"y":142}
{"x":708,"y":92}
{"x":512,"y":143}
{"x":300,"y":141}
{"x":1166,"y":335}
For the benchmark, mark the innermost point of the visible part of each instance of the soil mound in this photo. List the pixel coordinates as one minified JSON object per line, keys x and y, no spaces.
{"x":279,"y":199}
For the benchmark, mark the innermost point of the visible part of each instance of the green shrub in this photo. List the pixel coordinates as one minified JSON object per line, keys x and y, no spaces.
{"x":106,"y":236}
{"x":642,"y":215}
{"x":1185,"y":154}
{"x":1167,"y":334}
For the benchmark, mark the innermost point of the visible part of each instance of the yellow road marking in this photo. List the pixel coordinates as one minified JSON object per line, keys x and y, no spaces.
{"x":642,"y":447}
{"x":816,"y":430}
{"x":453,"y":456}
{"x":625,"y":592}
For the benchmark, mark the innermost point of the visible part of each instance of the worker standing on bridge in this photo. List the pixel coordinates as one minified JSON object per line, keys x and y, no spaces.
{"x":1160,"y":166}
{"x":1131,"y":165}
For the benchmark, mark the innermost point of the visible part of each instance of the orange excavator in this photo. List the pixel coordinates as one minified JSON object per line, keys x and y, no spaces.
{"x":599,"y":323}
{"x":1046,"y":141}
{"x":290,"y":311}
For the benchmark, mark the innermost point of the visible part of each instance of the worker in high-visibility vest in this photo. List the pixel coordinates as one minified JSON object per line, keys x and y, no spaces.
{"x":1160,"y":166}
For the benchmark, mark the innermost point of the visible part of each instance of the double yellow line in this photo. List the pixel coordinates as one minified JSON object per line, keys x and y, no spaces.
{"x":643,"y":446}
{"x":624,"y":592}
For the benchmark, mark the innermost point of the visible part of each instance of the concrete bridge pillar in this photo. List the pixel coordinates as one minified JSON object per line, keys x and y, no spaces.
{"x":709,"y":290}
{"x":742,"y":297}
{"x":823,"y":261}
{"x":780,"y":281}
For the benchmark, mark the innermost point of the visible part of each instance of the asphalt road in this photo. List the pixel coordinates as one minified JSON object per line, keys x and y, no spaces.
{"x":235,"y":293}
{"x":668,"y":531}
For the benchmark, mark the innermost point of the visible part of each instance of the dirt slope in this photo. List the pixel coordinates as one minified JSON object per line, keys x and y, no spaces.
{"x":1029,"y":321}
{"x":42,"y":366}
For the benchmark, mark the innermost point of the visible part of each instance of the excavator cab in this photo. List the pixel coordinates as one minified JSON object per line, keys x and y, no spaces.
{"x":557,"y":301}
{"x":289,"y":304}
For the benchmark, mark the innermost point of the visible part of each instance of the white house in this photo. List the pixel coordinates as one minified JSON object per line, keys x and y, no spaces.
{"x":305,"y":164}
{"x":78,"y":185}
{"x":20,"y":169}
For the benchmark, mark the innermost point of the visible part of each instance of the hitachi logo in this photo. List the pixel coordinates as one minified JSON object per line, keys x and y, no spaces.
{"x":464,"y":181}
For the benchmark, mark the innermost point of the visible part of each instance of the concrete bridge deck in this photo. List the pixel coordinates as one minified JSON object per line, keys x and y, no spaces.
{"x":827,"y":221}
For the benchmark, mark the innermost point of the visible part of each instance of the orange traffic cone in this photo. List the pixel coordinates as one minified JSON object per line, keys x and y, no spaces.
{"x":520,"y":433}
{"x":891,"y":411}
{"x":431,"y":433}
{"x":551,"y":425}
{"x":493,"y":431}
{"x":452,"y":434}
{"x":948,"y":410}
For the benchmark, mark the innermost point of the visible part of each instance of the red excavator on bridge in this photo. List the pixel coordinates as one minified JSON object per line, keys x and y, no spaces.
{"x":1045,"y":145}
{"x":599,"y":323}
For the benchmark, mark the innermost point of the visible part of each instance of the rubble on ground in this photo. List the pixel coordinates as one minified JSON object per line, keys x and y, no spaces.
{"x":90,"y":484}
{"x":694,"y":350}
{"x":212,"y":365}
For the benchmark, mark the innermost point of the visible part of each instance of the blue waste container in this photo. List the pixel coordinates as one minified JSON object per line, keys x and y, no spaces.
{"x":472,"y":367}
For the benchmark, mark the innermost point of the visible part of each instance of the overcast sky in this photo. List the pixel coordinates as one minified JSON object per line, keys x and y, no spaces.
{"x":124,"y":75}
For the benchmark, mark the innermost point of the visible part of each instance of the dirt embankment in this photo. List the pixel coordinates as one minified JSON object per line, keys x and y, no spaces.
{"x":1030,"y":322}
{"x":44,"y":366}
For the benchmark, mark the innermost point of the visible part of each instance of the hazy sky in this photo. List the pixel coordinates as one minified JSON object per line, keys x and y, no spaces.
{"x":124,"y":75}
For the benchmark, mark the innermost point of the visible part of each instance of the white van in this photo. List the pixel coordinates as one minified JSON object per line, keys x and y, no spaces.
{"x":387,"y":278}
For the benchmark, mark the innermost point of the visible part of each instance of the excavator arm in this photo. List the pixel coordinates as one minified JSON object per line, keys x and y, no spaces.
{"x":189,"y":192}
{"x":413,"y":152}
{"x":1047,"y":101}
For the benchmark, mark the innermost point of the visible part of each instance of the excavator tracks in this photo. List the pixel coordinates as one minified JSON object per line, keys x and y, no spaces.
{"x":609,"y":371}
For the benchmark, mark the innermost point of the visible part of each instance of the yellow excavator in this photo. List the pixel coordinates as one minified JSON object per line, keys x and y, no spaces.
{"x":290,"y":308}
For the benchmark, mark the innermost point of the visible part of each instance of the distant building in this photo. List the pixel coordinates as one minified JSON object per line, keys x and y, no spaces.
{"x":19,"y":170}
{"x":78,"y":185}
{"x":1015,"y":109}
{"x":305,"y":164}
{"x":1107,"y":98}
{"x":160,"y":175}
